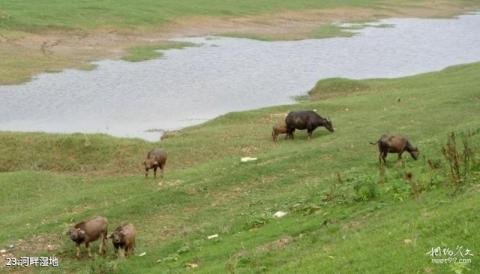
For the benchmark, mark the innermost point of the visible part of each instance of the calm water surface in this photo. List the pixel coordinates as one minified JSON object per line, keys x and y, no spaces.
{"x":192,"y":85}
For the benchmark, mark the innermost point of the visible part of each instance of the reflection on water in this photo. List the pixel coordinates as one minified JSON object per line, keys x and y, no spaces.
{"x":192,"y":85}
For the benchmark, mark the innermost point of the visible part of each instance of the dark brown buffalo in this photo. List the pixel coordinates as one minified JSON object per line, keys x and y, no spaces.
{"x":89,"y":231}
{"x":394,"y":143}
{"x":308,"y":120}
{"x":156,"y":158}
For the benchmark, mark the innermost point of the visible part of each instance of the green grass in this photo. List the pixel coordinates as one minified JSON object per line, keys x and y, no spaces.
{"x":39,"y":15}
{"x":32,"y":15}
{"x":142,"y":53}
{"x":335,"y":87}
{"x":331,"y":31}
{"x":325,"y":31}
{"x":354,"y":226}
{"x":20,"y":64}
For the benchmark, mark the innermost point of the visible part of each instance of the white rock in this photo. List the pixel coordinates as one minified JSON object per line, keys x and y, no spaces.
{"x":247,"y":159}
{"x":3,"y":251}
{"x":280,"y":214}
{"x":212,"y":236}
{"x":192,"y":265}
{"x":142,"y":254}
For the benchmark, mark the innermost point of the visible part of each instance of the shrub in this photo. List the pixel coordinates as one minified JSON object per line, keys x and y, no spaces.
{"x":365,"y":188}
{"x":460,"y":163}
{"x":401,"y":190}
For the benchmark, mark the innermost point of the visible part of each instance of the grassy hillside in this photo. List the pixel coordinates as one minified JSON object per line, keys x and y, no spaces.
{"x":344,"y":214}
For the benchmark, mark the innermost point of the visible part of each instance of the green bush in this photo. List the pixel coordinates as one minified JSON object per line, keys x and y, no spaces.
{"x":365,"y":188}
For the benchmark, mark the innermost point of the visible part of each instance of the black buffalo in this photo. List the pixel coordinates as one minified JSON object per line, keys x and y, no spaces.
{"x":308,"y":120}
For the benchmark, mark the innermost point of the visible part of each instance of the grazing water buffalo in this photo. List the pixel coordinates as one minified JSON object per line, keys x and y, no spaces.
{"x":394,"y":143}
{"x":124,"y":238}
{"x":89,"y":231}
{"x":280,"y":128}
{"x":156,"y":158}
{"x":308,"y":120}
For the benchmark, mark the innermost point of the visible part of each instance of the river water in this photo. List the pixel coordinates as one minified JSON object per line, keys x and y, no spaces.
{"x":192,"y":85}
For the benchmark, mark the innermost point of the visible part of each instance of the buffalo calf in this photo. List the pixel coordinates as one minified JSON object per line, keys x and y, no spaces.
{"x":124,"y":238}
{"x":156,"y":158}
{"x":280,"y":128}
{"x":394,"y":143}
{"x":89,"y":231}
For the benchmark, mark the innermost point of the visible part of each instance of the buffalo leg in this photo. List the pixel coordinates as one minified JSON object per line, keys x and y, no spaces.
{"x":400,"y":159}
{"x":146,"y":173}
{"x":310,"y":134}
{"x":132,"y":247}
{"x":155,"y":172}
{"x":78,"y":251}
{"x":87,"y":245}
{"x":290,"y":134}
{"x":102,"y":249}
{"x":384,"y":157}
{"x":162,"y":167}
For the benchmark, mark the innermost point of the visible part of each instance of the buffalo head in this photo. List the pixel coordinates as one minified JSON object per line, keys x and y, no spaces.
{"x":328,"y":124}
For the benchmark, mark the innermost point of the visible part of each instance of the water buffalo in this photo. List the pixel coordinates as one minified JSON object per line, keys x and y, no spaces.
{"x":280,"y":128}
{"x":308,"y":120}
{"x":394,"y":143}
{"x":124,"y":238}
{"x":156,"y":158}
{"x":89,"y":231}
